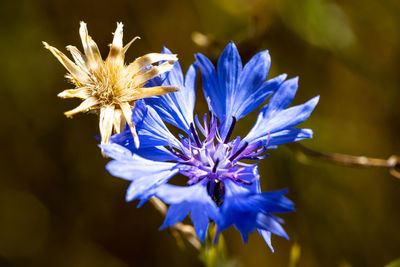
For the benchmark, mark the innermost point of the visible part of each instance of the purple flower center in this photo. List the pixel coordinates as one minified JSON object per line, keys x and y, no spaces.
{"x":215,"y":159}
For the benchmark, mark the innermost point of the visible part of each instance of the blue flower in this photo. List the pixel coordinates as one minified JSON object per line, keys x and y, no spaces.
{"x":220,"y":186}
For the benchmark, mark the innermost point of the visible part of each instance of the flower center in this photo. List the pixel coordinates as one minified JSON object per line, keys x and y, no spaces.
{"x":105,"y":83}
{"x":216,"y":159}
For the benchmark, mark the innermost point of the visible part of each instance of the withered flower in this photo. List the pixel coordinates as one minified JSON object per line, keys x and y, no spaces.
{"x":110,"y":87}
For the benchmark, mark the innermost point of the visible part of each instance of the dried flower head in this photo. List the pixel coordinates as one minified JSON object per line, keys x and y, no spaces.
{"x":110,"y":86}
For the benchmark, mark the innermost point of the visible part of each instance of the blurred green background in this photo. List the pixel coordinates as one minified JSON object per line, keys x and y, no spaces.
{"x":58,"y":205}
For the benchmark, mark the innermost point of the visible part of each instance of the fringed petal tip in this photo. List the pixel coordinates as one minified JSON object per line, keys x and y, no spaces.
{"x":46,"y":45}
{"x":83,"y":32}
{"x":166,"y":52}
{"x":170,"y":89}
{"x":82,"y":93}
{"x":63,"y":94}
{"x":118,"y":34}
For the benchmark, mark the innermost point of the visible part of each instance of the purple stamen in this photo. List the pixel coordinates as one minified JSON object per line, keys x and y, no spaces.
{"x":257,"y":152}
{"x":176,"y":153}
{"x":212,"y":128}
{"x":228,"y":135}
{"x":202,"y":130}
{"x":195,"y":135}
{"x":243,"y":181}
{"x":206,"y":129}
{"x":256,"y":157}
{"x":214,"y":169}
{"x":235,"y":143}
{"x":239,"y":151}
{"x":210,"y":119}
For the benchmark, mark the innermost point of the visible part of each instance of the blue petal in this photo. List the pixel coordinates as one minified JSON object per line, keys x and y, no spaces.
{"x":273,"y":201}
{"x":175,"y":214}
{"x":248,"y":210}
{"x":176,"y":108}
{"x":250,"y":98}
{"x":287,"y":136}
{"x":254,"y":73}
{"x":244,"y":223}
{"x":282,"y":120}
{"x":249,"y":174}
{"x":282,"y":137}
{"x":116,"y":151}
{"x":200,"y":219}
{"x":291,"y":117}
{"x":267,"y":238}
{"x":229,"y":70}
{"x":233,"y":210}
{"x":234,"y":91}
{"x":282,"y":98}
{"x":157,"y":153}
{"x":175,"y":75}
{"x":194,"y":199}
{"x":211,"y":88}
{"x":156,"y":81}
{"x":136,"y":167}
{"x":150,"y":128}
{"x":268,"y":223}
{"x":146,"y":175}
{"x":143,"y":187}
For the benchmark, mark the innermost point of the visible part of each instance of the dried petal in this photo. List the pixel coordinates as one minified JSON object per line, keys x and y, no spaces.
{"x":119,"y":121}
{"x":84,"y":106}
{"x":106,"y":122}
{"x":140,"y":80}
{"x":149,"y":59}
{"x":82,"y":93}
{"x":75,"y":70}
{"x":127,"y":112}
{"x":91,"y":50}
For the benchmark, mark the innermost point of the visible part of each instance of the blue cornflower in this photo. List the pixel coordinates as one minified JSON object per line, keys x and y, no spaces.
{"x":220,"y":187}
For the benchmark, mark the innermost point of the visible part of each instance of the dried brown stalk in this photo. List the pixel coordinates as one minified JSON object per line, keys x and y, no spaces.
{"x":392,"y":163}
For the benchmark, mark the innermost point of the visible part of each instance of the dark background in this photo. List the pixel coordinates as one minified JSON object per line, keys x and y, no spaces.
{"x":58,"y":205}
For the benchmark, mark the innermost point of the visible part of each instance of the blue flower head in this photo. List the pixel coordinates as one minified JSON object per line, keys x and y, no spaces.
{"x":220,"y":186}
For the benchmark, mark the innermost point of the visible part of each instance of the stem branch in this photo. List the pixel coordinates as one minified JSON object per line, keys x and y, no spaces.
{"x":392,"y":163}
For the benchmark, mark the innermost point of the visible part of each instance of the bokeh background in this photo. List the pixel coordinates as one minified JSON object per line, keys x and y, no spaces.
{"x":58,"y":205}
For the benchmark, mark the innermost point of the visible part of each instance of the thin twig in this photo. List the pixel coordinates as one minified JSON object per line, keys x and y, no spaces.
{"x":185,"y":230}
{"x":392,"y":163}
